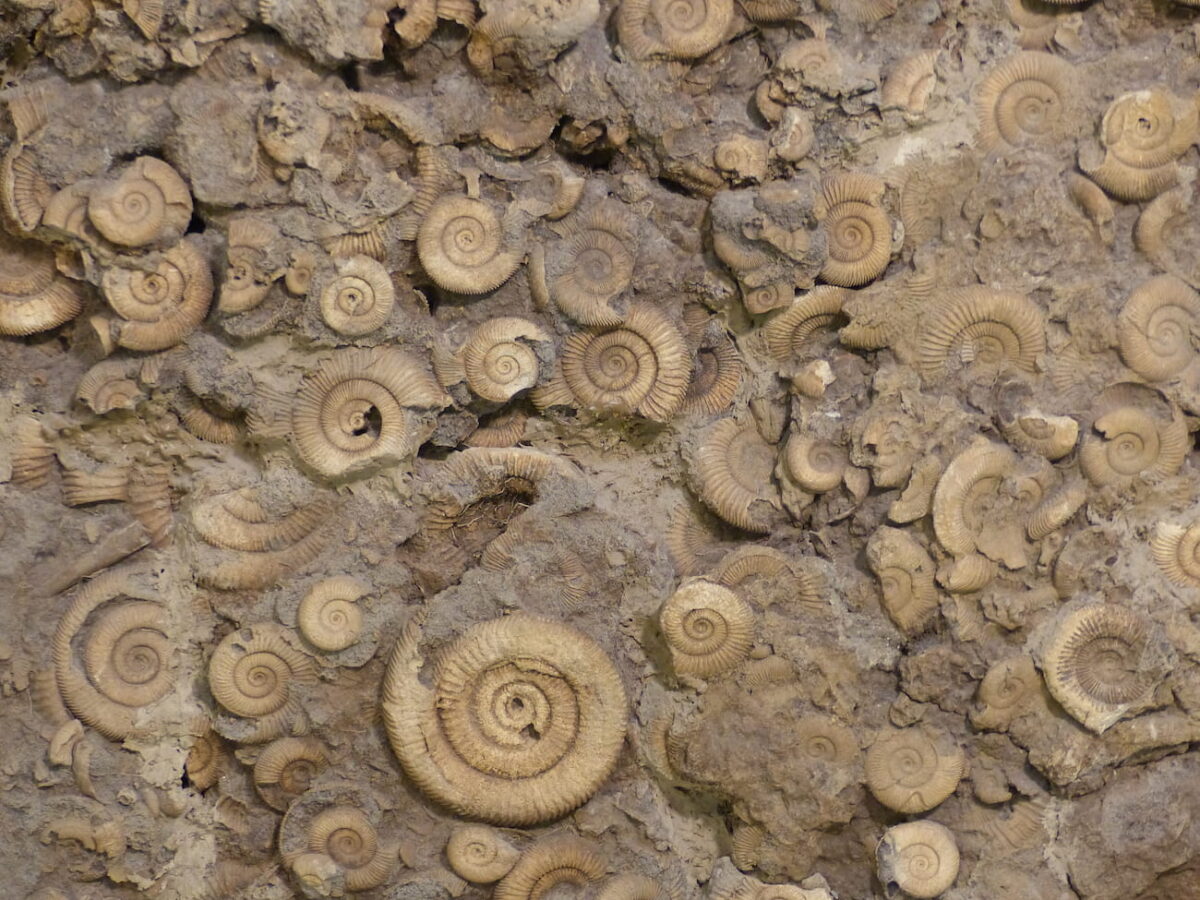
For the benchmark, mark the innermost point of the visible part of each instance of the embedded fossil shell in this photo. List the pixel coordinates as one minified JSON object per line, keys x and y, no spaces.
{"x":500,"y":358}
{"x":672,"y":29}
{"x":346,"y":835}
{"x":732,"y":474}
{"x":158,"y":309}
{"x":708,"y":628}
{"x":125,"y":659}
{"x":716,"y":378}
{"x":1131,"y":436}
{"x":1177,"y":551}
{"x":107,"y":386}
{"x":912,"y":770}
{"x":480,"y":854}
{"x":1156,"y":328}
{"x":32,"y":455}
{"x":919,"y":858}
{"x":359,"y":408}
{"x":857,"y":229}
{"x":360,"y":299}
{"x":600,"y":261}
{"x":461,"y":246}
{"x":329,"y":617}
{"x":905,"y":572}
{"x":1099,"y":663}
{"x":971,"y":475}
{"x":524,"y":722}
{"x":548,"y":863}
{"x":253,"y":672}
{"x":815,"y":465}
{"x":286,"y":768}
{"x":785,"y":335}
{"x":1005,"y":692}
{"x":641,"y":365}
{"x":977,"y":326}
{"x":148,"y":204}
{"x":909,"y":84}
{"x":1025,"y":101}
{"x":33,"y":296}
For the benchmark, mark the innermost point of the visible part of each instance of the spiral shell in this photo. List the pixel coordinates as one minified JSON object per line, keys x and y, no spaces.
{"x":480,"y":854}
{"x":673,"y":29}
{"x":254,"y":672}
{"x":558,"y":860}
{"x":33,"y":296}
{"x":346,"y":836}
{"x":958,"y":518}
{"x":1176,"y":549}
{"x":708,"y":628}
{"x":461,"y":246}
{"x":329,"y":617}
{"x":919,"y":858}
{"x":360,"y":408}
{"x":127,"y":655}
{"x":1157,"y":328}
{"x":360,"y":299}
{"x":148,"y":204}
{"x":977,"y":326}
{"x":905,"y":572}
{"x":815,"y":465}
{"x":786,"y":335}
{"x":286,"y":768}
{"x":600,"y":259}
{"x":912,"y":770}
{"x":857,"y":230}
{"x":1024,"y":101}
{"x":159,"y":308}
{"x":501,"y":358}
{"x":1133,"y":434}
{"x":524,"y":722}
{"x":716,"y":378}
{"x":640,"y":366}
{"x":731,"y":471}
{"x":908,"y":85}
{"x":1005,"y":693}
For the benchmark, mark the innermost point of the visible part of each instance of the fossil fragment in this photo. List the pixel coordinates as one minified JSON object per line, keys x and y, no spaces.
{"x":912,"y":770}
{"x":360,"y":299}
{"x":480,"y":853}
{"x":918,"y":858}
{"x":708,"y":628}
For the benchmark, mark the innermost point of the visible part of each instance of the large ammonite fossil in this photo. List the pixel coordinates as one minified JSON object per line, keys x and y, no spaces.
{"x":523,"y":722}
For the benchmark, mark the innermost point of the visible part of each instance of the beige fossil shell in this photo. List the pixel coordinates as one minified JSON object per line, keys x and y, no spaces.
{"x":731,"y":471}
{"x":910,"y":82}
{"x":32,"y":455}
{"x":147,"y":204}
{"x":1099,"y":663}
{"x":785,"y":335}
{"x":286,"y":768}
{"x":81,"y":487}
{"x":1006,"y":692}
{"x":346,"y":835}
{"x":919,"y":858}
{"x":905,"y":572}
{"x":857,"y":230}
{"x":716,"y":378}
{"x":159,"y":308}
{"x":977,"y":326}
{"x":480,"y":853}
{"x":33,"y":296}
{"x":1176,"y":549}
{"x":360,"y":299}
{"x":708,"y":628}
{"x":686,"y":29}
{"x":816,"y":465}
{"x":912,"y":770}
{"x":562,"y":859}
{"x":500,"y":358}
{"x":1131,"y":436}
{"x":524,"y":722}
{"x":360,"y":407}
{"x":107,"y":386}
{"x":1026,"y":100}
{"x":973,"y":474}
{"x":600,"y":257}
{"x":254,"y":672}
{"x":641,"y":365}
{"x":461,"y":245}
{"x":125,"y":660}
{"x":329,"y":617}
{"x":1156,"y":328}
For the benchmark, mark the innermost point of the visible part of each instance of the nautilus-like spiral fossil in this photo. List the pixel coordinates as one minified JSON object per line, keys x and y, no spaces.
{"x":980,"y":328}
{"x":1134,"y":433}
{"x":359,"y":299}
{"x":461,"y":245}
{"x":858,"y":232}
{"x":912,"y":770}
{"x":160,"y":307}
{"x":149,"y":203}
{"x":501,"y":357}
{"x":254,"y":674}
{"x":905,"y":571}
{"x":919,"y":858}
{"x":1176,"y":549}
{"x":1026,"y":100}
{"x":1157,"y":328}
{"x":672,"y":29}
{"x":731,"y":474}
{"x":329,"y":616}
{"x":708,"y":628}
{"x":480,"y":853}
{"x":522,"y":723}
{"x":554,"y":861}
{"x":599,"y":261}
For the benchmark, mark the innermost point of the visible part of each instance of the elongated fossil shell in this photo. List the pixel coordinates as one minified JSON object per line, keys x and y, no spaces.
{"x":501,"y":357}
{"x":461,"y":246}
{"x":1005,"y":693}
{"x":786,"y":335}
{"x":254,"y":672}
{"x":857,"y":230}
{"x":33,"y":296}
{"x":716,"y":378}
{"x":909,"y":84}
{"x":1131,"y":436}
{"x":600,"y":261}
{"x":1156,"y":328}
{"x":905,"y":572}
{"x":815,"y":465}
{"x":524,"y":720}
{"x":687,"y":29}
{"x":973,"y":474}
{"x":125,"y":660}
{"x":732,"y":475}
{"x":708,"y":628}
{"x":346,"y":835}
{"x":360,"y":299}
{"x":912,"y":770}
{"x":641,"y":365}
{"x":977,"y":326}
{"x":287,"y":767}
{"x":1025,"y":101}
{"x":329,"y":617}
{"x":158,"y":309}
{"x":358,"y":408}
{"x":480,"y":854}
{"x":1099,"y":663}
{"x":1176,"y":549}
{"x":919,"y":858}
{"x":149,"y":203}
